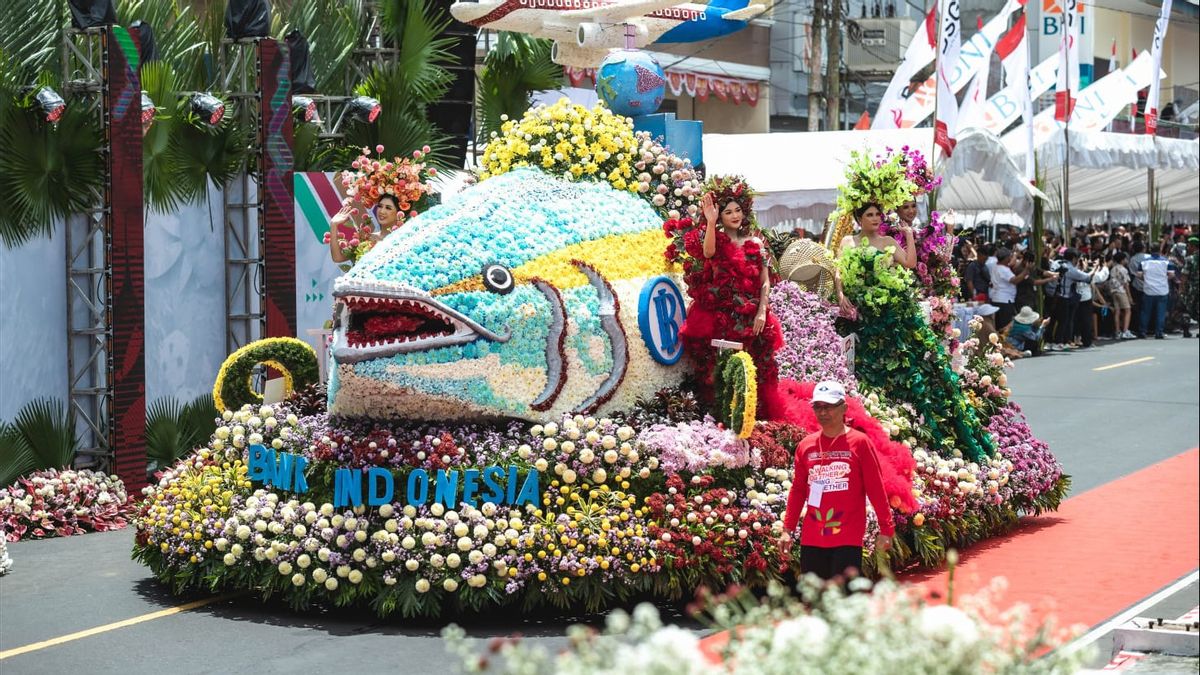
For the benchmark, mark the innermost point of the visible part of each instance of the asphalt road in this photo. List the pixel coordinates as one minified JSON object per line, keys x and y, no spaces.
{"x":1102,"y":425}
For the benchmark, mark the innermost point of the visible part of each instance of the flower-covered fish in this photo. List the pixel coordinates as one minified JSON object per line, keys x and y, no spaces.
{"x":518,"y":298}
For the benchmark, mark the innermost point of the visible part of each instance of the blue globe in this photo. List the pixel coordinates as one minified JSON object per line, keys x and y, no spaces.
{"x":631,"y":83}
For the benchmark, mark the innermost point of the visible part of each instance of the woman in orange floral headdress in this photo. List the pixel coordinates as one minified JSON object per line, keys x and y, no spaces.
{"x":728,"y":274}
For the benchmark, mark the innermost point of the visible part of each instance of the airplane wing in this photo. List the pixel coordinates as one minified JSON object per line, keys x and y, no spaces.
{"x":745,"y":13}
{"x":619,"y":12}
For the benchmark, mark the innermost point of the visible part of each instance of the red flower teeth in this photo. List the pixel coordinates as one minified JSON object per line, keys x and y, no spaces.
{"x":378,"y":321}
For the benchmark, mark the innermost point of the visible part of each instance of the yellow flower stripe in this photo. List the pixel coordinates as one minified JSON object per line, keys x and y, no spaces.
{"x":748,"y":397}
{"x":617,"y":257}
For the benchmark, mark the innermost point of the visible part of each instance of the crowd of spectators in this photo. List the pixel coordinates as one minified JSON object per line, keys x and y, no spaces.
{"x":1105,"y":283}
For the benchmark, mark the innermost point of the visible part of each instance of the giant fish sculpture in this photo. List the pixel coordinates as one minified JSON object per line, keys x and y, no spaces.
{"x":526,"y":296}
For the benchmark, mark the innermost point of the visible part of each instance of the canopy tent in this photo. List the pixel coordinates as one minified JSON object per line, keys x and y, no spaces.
{"x":1109,"y":173}
{"x":797,"y":174}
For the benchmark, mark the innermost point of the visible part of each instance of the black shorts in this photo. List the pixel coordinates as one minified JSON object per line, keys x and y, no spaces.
{"x":828,"y":563}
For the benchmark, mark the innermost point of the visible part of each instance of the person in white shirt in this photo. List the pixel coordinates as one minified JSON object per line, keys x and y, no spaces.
{"x":1155,"y":274}
{"x":1003,"y":293}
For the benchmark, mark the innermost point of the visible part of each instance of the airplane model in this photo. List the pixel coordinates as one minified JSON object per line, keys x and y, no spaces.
{"x":584,"y":31}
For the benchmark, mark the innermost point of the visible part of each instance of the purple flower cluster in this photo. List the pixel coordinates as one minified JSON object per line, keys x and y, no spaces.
{"x":1035,"y":470}
{"x":935,"y":248}
{"x":695,"y":446}
{"x":812,"y":349}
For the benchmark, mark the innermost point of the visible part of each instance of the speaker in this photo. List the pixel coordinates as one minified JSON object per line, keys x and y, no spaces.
{"x":247,"y":18}
{"x":92,"y":13}
{"x":303,"y":81}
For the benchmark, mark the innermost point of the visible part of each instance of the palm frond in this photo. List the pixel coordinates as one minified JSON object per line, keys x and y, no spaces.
{"x":174,"y":430}
{"x":49,"y":431}
{"x":415,"y":27}
{"x":518,"y":66}
{"x":16,"y":457}
{"x":30,"y":33}
{"x":177,"y":32}
{"x":402,"y":126}
{"x":333,"y":29}
{"x":163,"y":189}
{"x":200,"y":153}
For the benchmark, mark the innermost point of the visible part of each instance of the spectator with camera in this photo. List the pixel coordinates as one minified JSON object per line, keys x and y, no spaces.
{"x":1066,"y":298}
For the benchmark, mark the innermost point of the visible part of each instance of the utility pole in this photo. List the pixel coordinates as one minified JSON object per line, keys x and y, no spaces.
{"x":833,"y":68}
{"x":814,"y":63}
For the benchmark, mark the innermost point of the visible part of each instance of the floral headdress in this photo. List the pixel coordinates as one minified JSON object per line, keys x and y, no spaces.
{"x":885,"y":183}
{"x":727,"y":189}
{"x":405,"y":179}
{"x":916,"y":169}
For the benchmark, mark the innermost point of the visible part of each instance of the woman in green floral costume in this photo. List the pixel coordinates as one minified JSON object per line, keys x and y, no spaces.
{"x":897,"y":352}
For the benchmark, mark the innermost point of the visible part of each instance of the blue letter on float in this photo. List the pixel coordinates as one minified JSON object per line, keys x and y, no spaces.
{"x":491,"y":477}
{"x":418,"y":480}
{"x":375,"y":475}
{"x":258,"y":461}
{"x":446,"y":490}
{"x":470,"y":486}
{"x":347,"y":487}
{"x":299,"y":483}
{"x":529,"y":491}
{"x":512,"y":485}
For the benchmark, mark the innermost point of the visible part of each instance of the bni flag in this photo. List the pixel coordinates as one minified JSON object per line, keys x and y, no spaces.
{"x":1160,"y":35}
{"x":1068,"y":62}
{"x":919,"y":53}
{"x":949,"y":42}
{"x":1013,"y":49}
{"x":976,"y":96}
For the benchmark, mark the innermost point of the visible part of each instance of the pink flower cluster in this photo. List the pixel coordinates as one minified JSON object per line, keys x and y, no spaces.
{"x":812,"y":348}
{"x":935,"y":248}
{"x":1035,"y":470}
{"x":56,"y":503}
{"x":695,"y":447}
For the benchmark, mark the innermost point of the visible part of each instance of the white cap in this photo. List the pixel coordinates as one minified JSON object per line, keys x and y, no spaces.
{"x":829,"y":391}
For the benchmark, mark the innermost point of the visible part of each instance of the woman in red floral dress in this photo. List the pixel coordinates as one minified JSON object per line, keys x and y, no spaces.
{"x":729,"y":281}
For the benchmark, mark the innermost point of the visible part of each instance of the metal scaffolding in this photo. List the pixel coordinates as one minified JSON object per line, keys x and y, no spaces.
{"x":241,"y":200}
{"x":89,"y":264}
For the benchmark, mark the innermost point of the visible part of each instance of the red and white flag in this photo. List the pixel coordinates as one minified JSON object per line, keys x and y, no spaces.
{"x":945,"y":127}
{"x":1068,"y":62}
{"x":1013,"y":50}
{"x":918,"y":55}
{"x":1112,"y":59}
{"x":1160,"y":35}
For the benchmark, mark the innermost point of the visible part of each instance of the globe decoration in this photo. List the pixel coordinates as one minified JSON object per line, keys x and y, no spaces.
{"x":631,"y":83}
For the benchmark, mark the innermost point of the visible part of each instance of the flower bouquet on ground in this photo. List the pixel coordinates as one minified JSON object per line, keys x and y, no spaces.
{"x":56,"y":503}
{"x":408,"y":180}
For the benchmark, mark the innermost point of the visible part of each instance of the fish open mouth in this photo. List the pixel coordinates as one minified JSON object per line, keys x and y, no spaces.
{"x":375,"y":323}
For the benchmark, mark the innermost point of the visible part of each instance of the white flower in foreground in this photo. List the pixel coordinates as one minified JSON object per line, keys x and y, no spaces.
{"x":948,"y":625}
{"x":801,"y":636}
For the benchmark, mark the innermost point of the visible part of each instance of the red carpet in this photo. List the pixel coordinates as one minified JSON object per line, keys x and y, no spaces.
{"x":1101,"y":552}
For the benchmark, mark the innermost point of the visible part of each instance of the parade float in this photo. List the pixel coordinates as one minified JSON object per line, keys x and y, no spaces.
{"x":509,"y":419}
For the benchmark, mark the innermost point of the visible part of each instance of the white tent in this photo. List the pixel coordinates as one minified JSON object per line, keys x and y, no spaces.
{"x":1109,"y":173}
{"x":796,"y":174}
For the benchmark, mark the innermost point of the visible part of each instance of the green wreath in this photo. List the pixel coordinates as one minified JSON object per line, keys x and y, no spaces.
{"x":737,"y":391}
{"x":294,"y":358}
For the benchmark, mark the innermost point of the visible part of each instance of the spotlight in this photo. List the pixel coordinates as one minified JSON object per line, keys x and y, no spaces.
{"x":208,"y":108}
{"x":50,"y":103}
{"x":363,"y":108}
{"x":305,"y":109}
{"x":303,"y":81}
{"x":247,"y":18}
{"x":148,"y":108}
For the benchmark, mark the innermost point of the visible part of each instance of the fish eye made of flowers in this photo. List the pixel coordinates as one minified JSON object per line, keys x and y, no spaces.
{"x":726,"y":189}
{"x":884,"y":183}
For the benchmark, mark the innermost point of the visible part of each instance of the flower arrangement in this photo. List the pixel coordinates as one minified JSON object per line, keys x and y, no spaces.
{"x":408,"y":180}
{"x":694,"y":447}
{"x":935,"y":250}
{"x":5,"y":561}
{"x":60,"y":503}
{"x":290,"y":356}
{"x":670,"y":183}
{"x":812,"y":348}
{"x":884,"y":182}
{"x":916,"y":169}
{"x":890,"y":629}
{"x":568,"y":140}
{"x":737,"y":391}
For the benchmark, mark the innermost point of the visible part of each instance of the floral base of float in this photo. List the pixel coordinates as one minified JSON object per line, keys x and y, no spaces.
{"x":639,"y":493}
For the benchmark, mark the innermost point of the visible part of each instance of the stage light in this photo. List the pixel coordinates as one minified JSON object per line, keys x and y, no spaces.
{"x":208,"y":108}
{"x":247,"y":18}
{"x":303,"y":81}
{"x":363,"y":108}
{"x":50,"y":104}
{"x":305,"y":109}
{"x":91,"y":13}
{"x":148,"y":108}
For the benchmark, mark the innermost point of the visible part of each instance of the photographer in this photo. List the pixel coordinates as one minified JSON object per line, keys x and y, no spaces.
{"x":1066,"y":303}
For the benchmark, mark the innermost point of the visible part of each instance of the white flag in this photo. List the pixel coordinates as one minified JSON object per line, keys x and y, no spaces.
{"x":971,"y":57}
{"x":945,"y":126}
{"x":918,"y":55}
{"x":1160,"y":35}
{"x":1068,"y":62}
{"x":1009,"y":104}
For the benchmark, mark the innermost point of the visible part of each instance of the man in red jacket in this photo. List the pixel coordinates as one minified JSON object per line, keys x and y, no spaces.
{"x":836,"y":472}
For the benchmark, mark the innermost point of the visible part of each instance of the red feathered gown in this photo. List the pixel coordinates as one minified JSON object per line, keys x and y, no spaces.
{"x":725,"y":291}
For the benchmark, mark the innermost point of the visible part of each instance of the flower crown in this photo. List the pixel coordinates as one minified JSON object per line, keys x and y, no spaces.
{"x":883,"y":182}
{"x":727,"y":189}
{"x":916,"y":169}
{"x":403,"y":178}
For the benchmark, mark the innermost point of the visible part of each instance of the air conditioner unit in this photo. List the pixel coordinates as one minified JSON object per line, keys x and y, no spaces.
{"x":877,"y":45}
